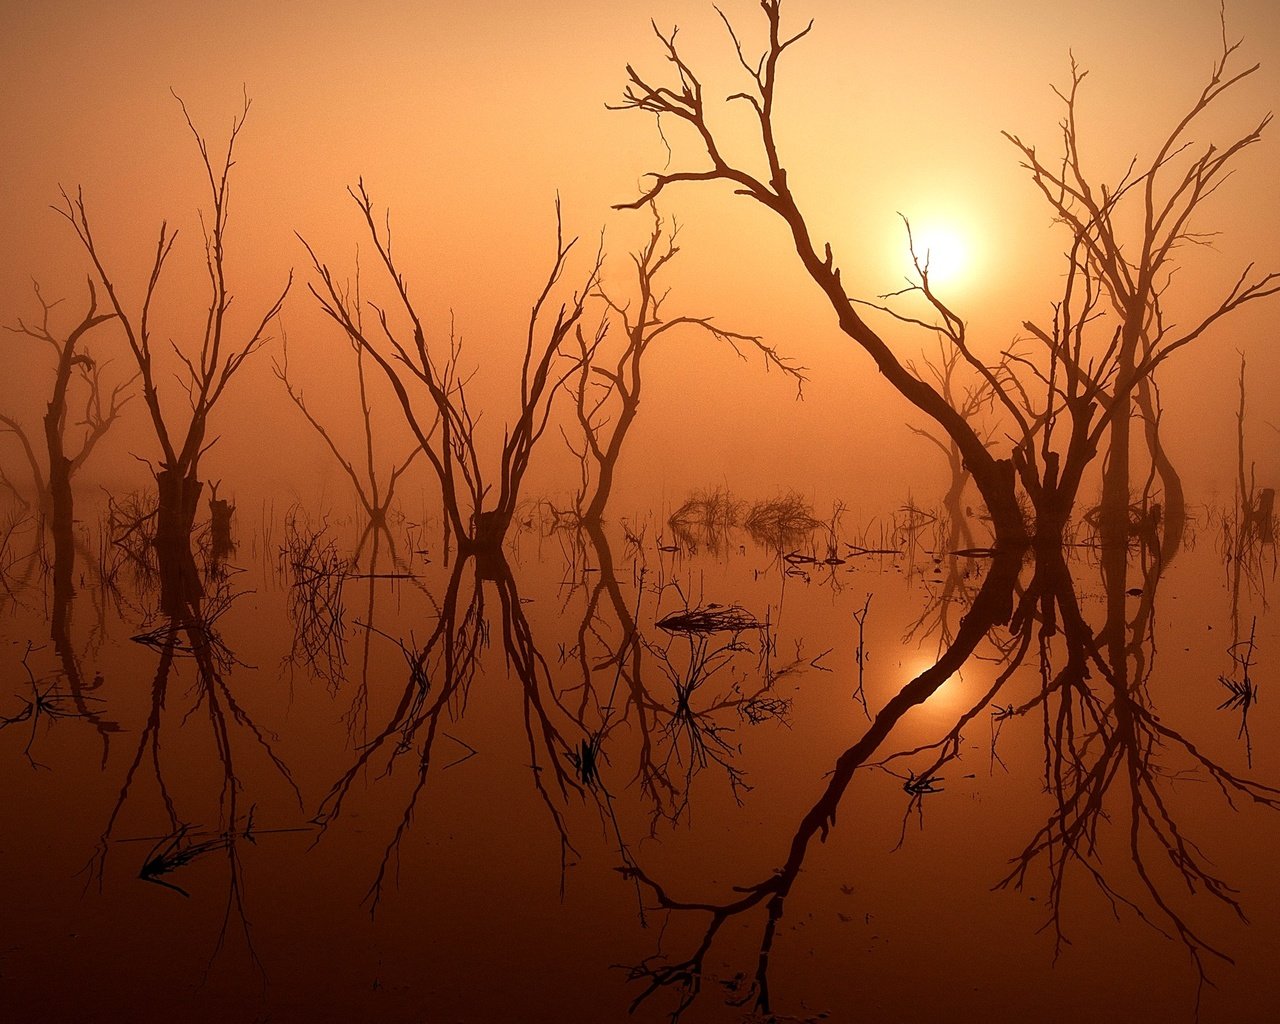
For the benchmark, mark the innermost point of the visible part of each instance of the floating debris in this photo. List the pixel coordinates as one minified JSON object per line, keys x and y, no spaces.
{"x":712,"y":618}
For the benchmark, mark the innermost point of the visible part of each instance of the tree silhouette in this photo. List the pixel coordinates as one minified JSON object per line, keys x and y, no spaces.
{"x":1089,"y":393}
{"x":374,"y":494}
{"x":53,"y":479}
{"x":608,"y":396}
{"x":430,"y":386}
{"x":208,"y":370}
{"x":1131,"y":270}
{"x":685,"y":101}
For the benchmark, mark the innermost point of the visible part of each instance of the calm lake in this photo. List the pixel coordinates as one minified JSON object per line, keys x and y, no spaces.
{"x":702,"y":754}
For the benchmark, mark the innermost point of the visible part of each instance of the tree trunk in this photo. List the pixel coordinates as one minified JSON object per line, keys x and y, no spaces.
{"x":60,"y":508}
{"x":486,"y":539}
{"x":220,"y":543}
{"x":993,"y":477}
{"x":180,"y":586}
{"x":1114,"y":514}
{"x":1174,"y":510}
{"x":608,"y":464}
{"x":61,"y":517}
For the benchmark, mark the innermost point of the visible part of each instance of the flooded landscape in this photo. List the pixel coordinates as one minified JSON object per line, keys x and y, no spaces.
{"x":493,"y":529}
{"x":615,"y":768}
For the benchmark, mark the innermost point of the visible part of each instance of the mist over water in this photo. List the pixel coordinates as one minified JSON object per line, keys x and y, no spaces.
{"x":712,"y":525}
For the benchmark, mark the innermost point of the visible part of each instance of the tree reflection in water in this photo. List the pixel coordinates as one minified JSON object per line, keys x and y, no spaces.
{"x":191,"y":635}
{"x":641,"y":695}
{"x":440,"y":672}
{"x":1109,"y":765}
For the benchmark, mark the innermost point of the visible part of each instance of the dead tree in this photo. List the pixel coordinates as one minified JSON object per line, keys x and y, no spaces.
{"x":684,"y":101}
{"x":53,"y":479}
{"x":1103,"y":384}
{"x":374,"y":498}
{"x":431,"y":388}
{"x":974,"y":401}
{"x":207,"y":370}
{"x":608,"y":397}
{"x":1133,"y":269}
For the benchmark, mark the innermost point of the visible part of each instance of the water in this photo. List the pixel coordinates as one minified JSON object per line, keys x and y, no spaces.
{"x":318,"y":804}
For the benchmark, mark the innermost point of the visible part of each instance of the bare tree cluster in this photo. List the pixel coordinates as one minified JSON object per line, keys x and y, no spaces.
{"x":431,"y":386}
{"x":209,"y":365}
{"x":1087,"y":394}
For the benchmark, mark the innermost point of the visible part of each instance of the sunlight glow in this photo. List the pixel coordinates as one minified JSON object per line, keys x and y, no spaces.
{"x":951,"y":697}
{"x":946,"y":251}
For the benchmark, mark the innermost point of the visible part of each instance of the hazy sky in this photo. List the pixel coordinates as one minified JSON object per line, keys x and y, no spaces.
{"x":467,"y":118}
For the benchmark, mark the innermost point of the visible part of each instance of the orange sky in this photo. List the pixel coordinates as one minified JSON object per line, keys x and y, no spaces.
{"x":465,"y":119}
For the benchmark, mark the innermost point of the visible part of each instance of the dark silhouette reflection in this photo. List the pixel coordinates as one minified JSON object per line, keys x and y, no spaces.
{"x":1107,"y":755}
{"x":662,"y":705}
{"x":21,"y":552}
{"x":991,"y":607}
{"x":439,"y":674}
{"x":1250,"y":556}
{"x":1249,"y":532}
{"x":64,"y":693}
{"x":316,"y":573}
{"x":783,"y":524}
{"x":704,"y":522}
{"x":1242,"y":690}
{"x":192,"y":642}
{"x":1108,"y":764}
{"x":952,"y":571}
{"x":87,"y":704}
{"x":47,"y":704}
{"x":319,"y":577}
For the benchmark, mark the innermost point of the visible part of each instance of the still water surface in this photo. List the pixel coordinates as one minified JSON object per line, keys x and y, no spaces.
{"x":369,"y":784}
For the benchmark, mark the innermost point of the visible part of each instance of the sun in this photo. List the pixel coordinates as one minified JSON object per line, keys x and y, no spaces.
{"x":944,"y":250}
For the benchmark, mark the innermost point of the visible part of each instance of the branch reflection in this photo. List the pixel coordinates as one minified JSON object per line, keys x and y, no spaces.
{"x":1109,"y":765}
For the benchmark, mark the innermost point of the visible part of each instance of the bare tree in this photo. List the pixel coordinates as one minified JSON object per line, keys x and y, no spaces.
{"x":1133,"y":270}
{"x":974,"y":401}
{"x":608,"y":397}
{"x":685,"y":101}
{"x":374,"y":494}
{"x":1094,"y":391}
{"x":431,"y":389}
{"x":207,"y":371}
{"x":1063,"y":406}
{"x":52,"y":480}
